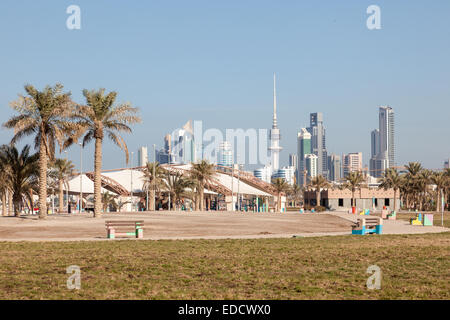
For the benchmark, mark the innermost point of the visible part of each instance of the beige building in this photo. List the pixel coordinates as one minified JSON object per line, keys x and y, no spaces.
{"x":366,"y":198}
{"x":352,"y":162}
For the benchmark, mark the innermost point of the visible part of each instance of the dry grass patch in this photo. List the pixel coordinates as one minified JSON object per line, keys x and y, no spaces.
{"x":413,"y":266}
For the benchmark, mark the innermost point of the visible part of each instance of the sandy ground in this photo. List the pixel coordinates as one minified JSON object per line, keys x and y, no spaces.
{"x":193,"y":225}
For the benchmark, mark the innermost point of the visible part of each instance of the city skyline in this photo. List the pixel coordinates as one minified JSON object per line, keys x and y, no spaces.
{"x":174,"y":68}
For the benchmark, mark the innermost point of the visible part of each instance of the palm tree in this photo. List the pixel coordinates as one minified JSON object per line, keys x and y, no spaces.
{"x":63,"y":169}
{"x":178,"y":186}
{"x":353,"y":181}
{"x":440,"y":179}
{"x":422,"y":183}
{"x":100,"y":117}
{"x":447,"y":187}
{"x":120,"y":203}
{"x":202,"y":172}
{"x":295,"y":193}
{"x":108,"y":199}
{"x":42,"y":114}
{"x":391,"y":179}
{"x":153,"y":183}
{"x":4,"y":189}
{"x":281,"y":186}
{"x":413,"y":168}
{"x":318,"y":183}
{"x":413,"y":181}
{"x":21,"y":171}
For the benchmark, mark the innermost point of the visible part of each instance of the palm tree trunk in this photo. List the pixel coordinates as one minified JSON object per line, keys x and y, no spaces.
{"x":42,"y":179}
{"x":353,"y":199}
{"x":4,"y":210}
{"x":438,"y":199}
{"x":16,"y":200}
{"x":317,"y":198}
{"x":61,"y":197}
{"x":10,"y":203}
{"x":31,"y":201}
{"x":98,"y":178}
{"x":279,"y":202}
{"x":151,"y":203}
{"x":196,"y":202}
{"x":395,"y":199}
{"x":202,"y":189}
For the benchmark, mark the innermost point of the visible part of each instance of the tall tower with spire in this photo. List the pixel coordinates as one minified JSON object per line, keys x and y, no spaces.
{"x":275,"y":134}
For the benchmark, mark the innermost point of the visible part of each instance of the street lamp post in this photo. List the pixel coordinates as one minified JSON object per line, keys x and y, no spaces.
{"x":232,"y":187}
{"x":442,"y":208}
{"x":67,"y":190}
{"x":153,"y":176}
{"x":53,"y":200}
{"x":81,"y":177}
{"x":131,"y":173}
{"x":238,"y":194}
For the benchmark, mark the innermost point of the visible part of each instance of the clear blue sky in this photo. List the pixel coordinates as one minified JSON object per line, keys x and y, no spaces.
{"x":213,"y":61}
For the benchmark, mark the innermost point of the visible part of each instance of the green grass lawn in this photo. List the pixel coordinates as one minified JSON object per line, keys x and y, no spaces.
{"x":413,"y":266}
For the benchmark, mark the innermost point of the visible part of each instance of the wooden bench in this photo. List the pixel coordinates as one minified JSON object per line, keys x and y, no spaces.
{"x":367,"y":225}
{"x":113,"y":226}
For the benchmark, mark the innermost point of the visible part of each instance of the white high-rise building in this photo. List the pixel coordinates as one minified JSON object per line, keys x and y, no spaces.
{"x":352,"y":162}
{"x":275,"y":137}
{"x":386,"y":119}
{"x":382,"y":143}
{"x":142,"y":156}
{"x":311,"y":165}
{"x":183,"y":144}
{"x":225,"y":154}
{"x":286,"y":173}
{"x":264,"y":173}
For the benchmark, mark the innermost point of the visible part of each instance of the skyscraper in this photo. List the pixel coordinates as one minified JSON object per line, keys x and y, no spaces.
{"x":318,"y":145}
{"x":382,"y":143}
{"x":303,"y":148}
{"x":293,"y":162}
{"x":183,"y":144}
{"x":386,"y":119}
{"x":375,"y":143}
{"x":311,"y":166}
{"x":225,"y":154}
{"x":168,"y":143}
{"x":142,"y":156}
{"x":286,"y":173}
{"x":275,"y":134}
{"x":264,"y":173}
{"x":334,"y":167}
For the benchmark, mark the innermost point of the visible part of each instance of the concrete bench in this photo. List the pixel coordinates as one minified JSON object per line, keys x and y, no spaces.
{"x":123,"y":228}
{"x":367,"y":225}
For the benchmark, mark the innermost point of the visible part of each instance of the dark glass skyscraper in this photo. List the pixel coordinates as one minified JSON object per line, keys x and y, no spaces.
{"x":318,"y":142}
